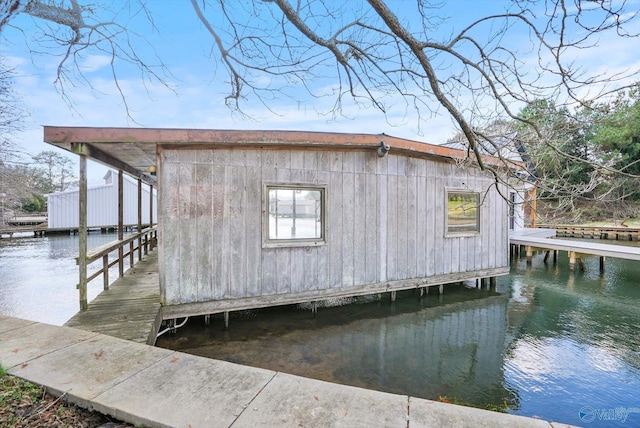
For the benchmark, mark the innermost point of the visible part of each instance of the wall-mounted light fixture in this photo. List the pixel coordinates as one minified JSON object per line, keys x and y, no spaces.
{"x":152,"y":169}
{"x":383,"y":149}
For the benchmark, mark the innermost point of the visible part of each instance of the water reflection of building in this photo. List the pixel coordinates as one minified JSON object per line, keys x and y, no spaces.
{"x":454,"y":350}
{"x":448,"y":350}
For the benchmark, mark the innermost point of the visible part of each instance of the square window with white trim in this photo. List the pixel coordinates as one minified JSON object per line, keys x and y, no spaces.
{"x":463,"y":212}
{"x":295,"y":215}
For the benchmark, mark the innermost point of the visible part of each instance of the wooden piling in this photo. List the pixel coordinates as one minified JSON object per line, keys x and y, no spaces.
{"x":139,"y":218}
{"x":120,"y":221}
{"x":82,"y":233}
{"x":529,"y":250}
{"x":572,"y":260}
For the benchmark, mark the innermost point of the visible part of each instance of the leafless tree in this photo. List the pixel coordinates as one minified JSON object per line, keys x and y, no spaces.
{"x":56,"y":170}
{"x":481,"y":74}
{"x":11,"y":117}
{"x":372,"y":54}
{"x":72,"y":30}
{"x":11,"y":112}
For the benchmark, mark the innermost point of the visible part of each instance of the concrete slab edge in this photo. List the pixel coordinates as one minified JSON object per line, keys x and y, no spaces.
{"x":248,"y":405}
{"x":11,"y":369}
{"x":501,"y":419}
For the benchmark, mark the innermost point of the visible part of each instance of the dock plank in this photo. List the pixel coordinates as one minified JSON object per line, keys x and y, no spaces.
{"x":592,"y":248}
{"x":130,"y":308}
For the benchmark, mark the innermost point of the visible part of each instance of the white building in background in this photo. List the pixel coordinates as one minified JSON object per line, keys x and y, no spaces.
{"x":102,"y":205}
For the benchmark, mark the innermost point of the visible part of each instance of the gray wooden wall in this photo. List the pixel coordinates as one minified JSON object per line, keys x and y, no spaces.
{"x":386,"y":222}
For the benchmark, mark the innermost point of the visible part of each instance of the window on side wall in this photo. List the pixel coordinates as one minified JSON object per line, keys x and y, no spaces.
{"x":295,"y":215}
{"x":463,"y":212}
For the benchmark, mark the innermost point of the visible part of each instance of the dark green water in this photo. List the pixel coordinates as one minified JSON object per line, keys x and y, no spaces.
{"x":548,"y":343}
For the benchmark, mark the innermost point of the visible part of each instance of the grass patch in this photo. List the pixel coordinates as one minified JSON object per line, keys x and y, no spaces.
{"x":26,"y":405}
{"x":18,"y":401}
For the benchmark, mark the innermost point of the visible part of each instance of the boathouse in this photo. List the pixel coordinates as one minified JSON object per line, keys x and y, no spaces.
{"x":102,"y":205}
{"x":249,"y":219}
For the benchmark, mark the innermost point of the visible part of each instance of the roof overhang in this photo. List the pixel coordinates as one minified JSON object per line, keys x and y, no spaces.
{"x":133,"y":150}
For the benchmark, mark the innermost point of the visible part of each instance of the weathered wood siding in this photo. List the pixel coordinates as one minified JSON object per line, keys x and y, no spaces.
{"x":386,"y":220}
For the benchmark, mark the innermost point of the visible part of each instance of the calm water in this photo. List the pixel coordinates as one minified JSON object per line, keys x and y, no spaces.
{"x":547,"y":343}
{"x":38,"y":276}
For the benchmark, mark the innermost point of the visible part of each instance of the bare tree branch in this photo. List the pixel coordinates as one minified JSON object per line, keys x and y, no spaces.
{"x":393,"y":57}
{"x":78,"y":30}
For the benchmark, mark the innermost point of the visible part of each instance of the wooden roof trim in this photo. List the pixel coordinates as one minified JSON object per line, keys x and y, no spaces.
{"x":66,"y":136}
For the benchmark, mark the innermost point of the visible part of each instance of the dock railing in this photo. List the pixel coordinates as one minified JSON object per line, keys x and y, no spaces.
{"x":140,"y":242}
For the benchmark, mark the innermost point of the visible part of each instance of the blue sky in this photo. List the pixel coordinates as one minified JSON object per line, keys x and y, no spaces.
{"x":198,"y":82}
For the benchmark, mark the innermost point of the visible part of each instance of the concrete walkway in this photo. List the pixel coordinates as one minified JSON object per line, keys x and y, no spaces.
{"x":156,"y":387}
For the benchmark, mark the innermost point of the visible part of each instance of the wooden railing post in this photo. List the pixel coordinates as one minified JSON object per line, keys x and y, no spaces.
{"x":103,"y":252}
{"x":150,"y":205}
{"x":82,"y":233}
{"x":120,"y":222}
{"x":105,"y":271}
{"x":139,"y":218}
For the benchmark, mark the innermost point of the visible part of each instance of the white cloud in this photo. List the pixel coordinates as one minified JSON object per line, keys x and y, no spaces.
{"x":93,"y":63}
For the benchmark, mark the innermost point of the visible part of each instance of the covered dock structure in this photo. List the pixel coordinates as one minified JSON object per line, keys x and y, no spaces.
{"x":250,"y":219}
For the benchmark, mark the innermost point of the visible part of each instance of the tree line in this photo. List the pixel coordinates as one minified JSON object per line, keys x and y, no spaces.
{"x":588,"y":160}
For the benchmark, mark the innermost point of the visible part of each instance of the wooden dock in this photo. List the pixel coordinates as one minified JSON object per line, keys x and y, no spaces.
{"x":34,"y":220}
{"x":130,"y":309}
{"x":43,"y":230}
{"x":618,"y":233}
{"x":577,"y":249}
{"x":10,"y":231}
